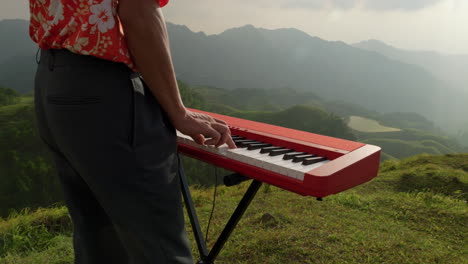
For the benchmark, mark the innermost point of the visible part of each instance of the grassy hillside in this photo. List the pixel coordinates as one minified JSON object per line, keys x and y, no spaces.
{"x":28,"y":178}
{"x":400,"y":134}
{"x":415,"y":211}
{"x":410,"y":142}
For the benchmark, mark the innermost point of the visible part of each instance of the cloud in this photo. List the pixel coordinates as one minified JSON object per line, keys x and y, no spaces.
{"x":319,"y":4}
{"x":399,"y":4}
{"x":378,"y":5}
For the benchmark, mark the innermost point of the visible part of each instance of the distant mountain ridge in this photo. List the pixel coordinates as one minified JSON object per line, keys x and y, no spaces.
{"x":250,"y":57}
{"x":17,"y":52}
{"x":447,"y":67}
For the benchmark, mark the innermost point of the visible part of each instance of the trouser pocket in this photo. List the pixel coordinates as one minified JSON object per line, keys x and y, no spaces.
{"x":150,"y":124}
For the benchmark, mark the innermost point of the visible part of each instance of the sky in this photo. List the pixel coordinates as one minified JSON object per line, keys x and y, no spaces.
{"x":439,"y":25}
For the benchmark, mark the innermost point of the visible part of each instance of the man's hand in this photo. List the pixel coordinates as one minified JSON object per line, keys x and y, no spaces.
{"x":148,"y":43}
{"x":201,"y":126}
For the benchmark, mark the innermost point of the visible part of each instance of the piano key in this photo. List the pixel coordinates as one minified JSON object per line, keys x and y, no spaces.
{"x":299,"y":170}
{"x":235,"y":154}
{"x":245,"y":142}
{"x":268,"y":149}
{"x":241,"y":140}
{"x":291,"y":155}
{"x":277,"y":164}
{"x":273,"y":163}
{"x":249,"y":156}
{"x":300,"y":158}
{"x":268,"y":160}
{"x":255,"y":158}
{"x":237,"y":137}
{"x":318,"y":183}
{"x":313,"y":160}
{"x":278,"y":152}
{"x":258,"y":146}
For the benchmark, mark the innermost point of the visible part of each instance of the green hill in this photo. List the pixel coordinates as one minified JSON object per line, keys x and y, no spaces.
{"x":303,"y":118}
{"x":258,"y":99}
{"x":26,"y":167}
{"x":413,"y":134}
{"x":410,"y":142}
{"x":414,"y":212}
{"x":28,"y":174}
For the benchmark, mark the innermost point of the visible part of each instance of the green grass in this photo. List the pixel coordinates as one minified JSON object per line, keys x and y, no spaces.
{"x":392,"y":219}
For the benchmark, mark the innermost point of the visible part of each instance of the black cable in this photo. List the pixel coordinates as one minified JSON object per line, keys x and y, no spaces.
{"x":214,"y":204}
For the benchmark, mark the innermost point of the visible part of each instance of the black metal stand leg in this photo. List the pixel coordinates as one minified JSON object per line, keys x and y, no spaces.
{"x":192,"y":213}
{"x":208,"y":258}
{"x":236,"y":216}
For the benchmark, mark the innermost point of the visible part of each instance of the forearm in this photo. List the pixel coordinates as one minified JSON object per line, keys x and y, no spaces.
{"x":148,"y":43}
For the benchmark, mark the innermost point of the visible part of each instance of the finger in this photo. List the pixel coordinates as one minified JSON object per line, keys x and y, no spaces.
{"x":220,"y":121}
{"x":213,"y":134}
{"x":224,"y":137}
{"x":229,"y":140}
{"x":231,"y":143}
{"x":224,"y":131}
{"x":199,"y":139}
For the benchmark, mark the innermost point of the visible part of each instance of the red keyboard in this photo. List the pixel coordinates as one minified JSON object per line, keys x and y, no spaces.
{"x":298,"y":161}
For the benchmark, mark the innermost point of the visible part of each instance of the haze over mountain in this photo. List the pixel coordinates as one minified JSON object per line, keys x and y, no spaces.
{"x":450,"y":68}
{"x":17,"y":52}
{"x":249,"y":57}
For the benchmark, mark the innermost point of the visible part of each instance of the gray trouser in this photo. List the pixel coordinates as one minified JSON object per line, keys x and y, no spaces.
{"x":115,"y":152}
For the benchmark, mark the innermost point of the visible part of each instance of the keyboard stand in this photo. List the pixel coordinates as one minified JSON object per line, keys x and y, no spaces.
{"x":205,"y":256}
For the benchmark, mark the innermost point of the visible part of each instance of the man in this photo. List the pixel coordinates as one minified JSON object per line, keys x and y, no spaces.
{"x":111,"y":131}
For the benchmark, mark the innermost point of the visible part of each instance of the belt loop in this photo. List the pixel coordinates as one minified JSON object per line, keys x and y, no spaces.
{"x":51,"y":60}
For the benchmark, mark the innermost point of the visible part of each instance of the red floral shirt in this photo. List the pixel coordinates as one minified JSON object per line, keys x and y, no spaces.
{"x":88,"y":27}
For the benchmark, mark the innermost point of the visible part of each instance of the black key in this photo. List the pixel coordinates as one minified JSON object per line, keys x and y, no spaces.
{"x":269,"y":149}
{"x":313,"y":160}
{"x":245,"y":143}
{"x":278,"y":152}
{"x":258,"y":146}
{"x":237,"y":137}
{"x":302,"y":157}
{"x":291,"y":155}
{"x":242,"y":140}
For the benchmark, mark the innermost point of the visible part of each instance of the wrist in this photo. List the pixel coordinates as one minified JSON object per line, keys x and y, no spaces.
{"x":177,"y":113}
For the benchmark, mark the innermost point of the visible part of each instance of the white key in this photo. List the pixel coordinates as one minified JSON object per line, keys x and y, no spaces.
{"x":299,"y":170}
{"x":234,"y":154}
{"x":254,"y":157}
{"x":267,"y":160}
{"x":248,"y":156}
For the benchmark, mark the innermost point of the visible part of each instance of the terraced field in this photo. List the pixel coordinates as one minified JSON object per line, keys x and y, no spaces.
{"x":367,"y":125}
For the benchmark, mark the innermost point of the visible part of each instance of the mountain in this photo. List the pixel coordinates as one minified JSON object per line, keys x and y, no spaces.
{"x":17,"y":72}
{"x":17,"y":41}
{"x":250,"y":57}
{"x":452,"y":69}
{"x":17,"y":55}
